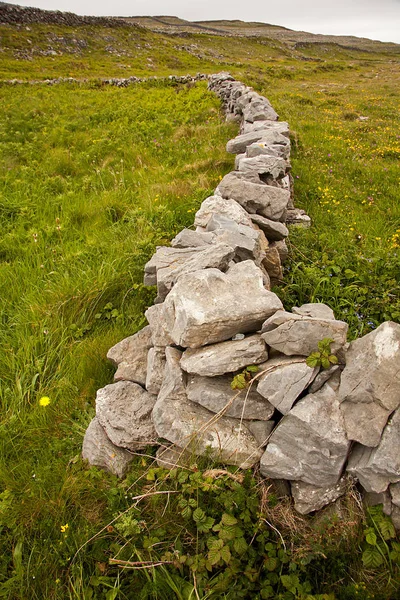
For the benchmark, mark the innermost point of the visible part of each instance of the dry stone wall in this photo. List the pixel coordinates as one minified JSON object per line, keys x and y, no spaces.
{"x":215,"y":317}
{"x":11,"y":14}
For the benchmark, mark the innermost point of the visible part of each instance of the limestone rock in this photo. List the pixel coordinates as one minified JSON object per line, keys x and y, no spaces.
{"x":245,"y":241}
{"x":284,"y":380}
{"x":273,"y":230}
{"x":322,"y":378}
{"x":259,"y":110}
{"x":316,"y":310}
{"x":277,"y":126}
{"x":159,"y":332}
{"x":165,"y":257}
{"x":377,"y":467}
{"x":210,"y":306}
{"x":188,"y":238}
{"x":225,"y":357}
{"x":261,"y":431}
{"x":222,"y":206}
{"x":282,"y":248}
{"x":374,"y":499}
{"x":272,"y":264}
{"x":124,"y":411}
{"x":188,"y":424}
{"x":298,"y":217}
{"x":267,"y":200}
{"x":271,"y":140}
{"x":294,"y":334}
{"x":239,"y":144}
{"x":370,"y":386}
{"x":130,"y":356}
{"x":266,"y":165}
{"x":395,"y":493}
{"x":310,"y":443}
{"x":100,"y":452}
{"x":155,"y":370}
{"x":215,"y":394}
{"x":309,"y":498}
{"x":170,"y":457}
{"x":214,"y":256}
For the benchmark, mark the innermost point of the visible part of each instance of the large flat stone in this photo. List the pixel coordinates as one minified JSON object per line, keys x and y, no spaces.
{"x":216,"y":394}
{"x":284,"y":380}
{"x":100,"y":452}
{"x":310,"y":443}
{"x":370,"y":386}
{"x":188,"y":238}
{"x":316,"y":310}
{"x":295,"y":334}
{"x":267,"y":200}
{"x":377,"y":467}
{"x":246,"y":241}
{"x":216,"y":256}
{"x":273,"y":167}
{"x":221,"y":206}
{"x":267,"y":126}
{"x":259,"y":110}
{"x":124,"y":411}
{"x":309,"y":498}
{"x":165,"y":257}
{"x":130,"y":356}
{"x":272,"y":140}
{"x":274,"y":230}
{"x":189,"y":425}
{"x":209,"y":306}
{"x":225,"y":357}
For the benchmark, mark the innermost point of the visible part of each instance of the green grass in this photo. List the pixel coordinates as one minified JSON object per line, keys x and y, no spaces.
{"x":92,"y":179}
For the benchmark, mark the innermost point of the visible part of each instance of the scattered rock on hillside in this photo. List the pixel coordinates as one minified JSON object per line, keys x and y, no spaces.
{"x":370,"y":386}
{"x":124,"y":411}
{"x":130,"y":357}
{"x":100,"y":452}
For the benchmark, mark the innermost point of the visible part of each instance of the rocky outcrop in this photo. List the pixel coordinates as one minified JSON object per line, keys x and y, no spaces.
{"x":222,"y":370}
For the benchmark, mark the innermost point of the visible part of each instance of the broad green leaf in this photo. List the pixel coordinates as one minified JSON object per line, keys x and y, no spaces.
{"x":372,"y":558}
{"x":387,"y":530}
{"x":325,"y":362}
{"x":333,"y":359}
{"x":240,"y":545}
{"x":239,"y":382}
{"x":225,"y":554}
{"x":252,"y":369}
{"x":271,"y":563}
{"x":325,"y":344}
{"x":186,"y":512}
{"x":314,"y":360}
{"x":371,"y":538}
{"x":205,"y":525}
{"x":228,"y":519}
{"x":199,"y":515}
{"x":214,"y":543}
{"x":214,"y":556}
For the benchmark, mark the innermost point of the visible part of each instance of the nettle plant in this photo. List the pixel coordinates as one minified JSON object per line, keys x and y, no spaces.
{"x":324,"y":357}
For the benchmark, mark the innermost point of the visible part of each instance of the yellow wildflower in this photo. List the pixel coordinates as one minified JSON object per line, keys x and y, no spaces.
{"x":44,"y":401}
{"x":64,"y":528}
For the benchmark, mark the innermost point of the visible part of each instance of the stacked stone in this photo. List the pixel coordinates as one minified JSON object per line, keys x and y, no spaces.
{"x":215,"y":315}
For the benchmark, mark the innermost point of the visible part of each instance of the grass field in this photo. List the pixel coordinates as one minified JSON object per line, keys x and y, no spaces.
{"x":92,"y":179}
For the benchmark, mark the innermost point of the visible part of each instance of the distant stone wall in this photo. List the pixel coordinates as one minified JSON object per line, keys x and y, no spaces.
{"x":315,"y":427}
{"x":11,"y":14}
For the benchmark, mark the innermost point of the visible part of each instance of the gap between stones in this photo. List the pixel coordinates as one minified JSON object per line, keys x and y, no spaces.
{"x":215,"y":315}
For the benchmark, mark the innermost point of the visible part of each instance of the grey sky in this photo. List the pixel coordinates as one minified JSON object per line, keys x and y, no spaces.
{"x":375,"y":19}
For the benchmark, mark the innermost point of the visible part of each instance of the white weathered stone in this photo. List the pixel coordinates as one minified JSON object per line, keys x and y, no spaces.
{"x":274,"y":230}
{"x":284,"y":380}
{"x":395,"y":493}
{"x":188,"y":238}
{"x":370,"y":386}
{"x":294,"y":334}
{"x":216,"y":394}
{"x":316,"y":310}
{"x":310,"y":443}
{"x":280,"y":126}
{"x":130,"y":357}
{"x":223,"y":206}
{"x":210,"y":306}
{"x":124,"y":411}
{"x":216,"y":256}
{"x":271,"y":140}
{"x":165,"y":257}
{"x":225,"y":357}
{"x":376,"y":468}
{"x":266,"y":165}
{"x":160,"y":335}
{"x":267,"y":200}
{"x":100,"y":452}
{"x":246,"y":241}
{"x":259,"y":110}
{"x":188,"y":424}
{"x":309,"y":498}
{"x":155,"y":370}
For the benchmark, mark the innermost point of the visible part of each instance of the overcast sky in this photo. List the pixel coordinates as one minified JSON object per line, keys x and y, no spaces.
{"x":375,"y":19}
